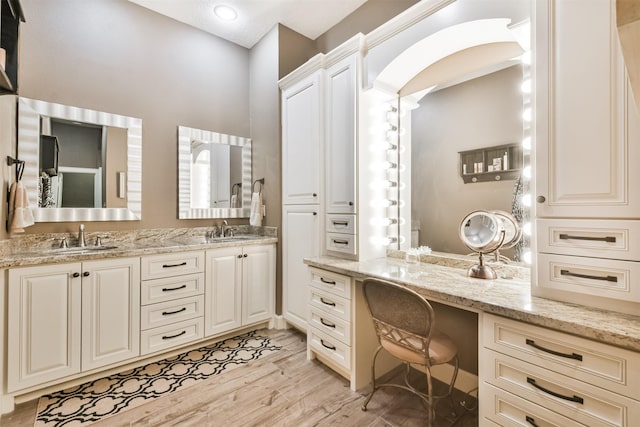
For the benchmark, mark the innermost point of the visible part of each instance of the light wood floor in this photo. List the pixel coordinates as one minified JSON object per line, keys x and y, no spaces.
{"x":282,"y":389}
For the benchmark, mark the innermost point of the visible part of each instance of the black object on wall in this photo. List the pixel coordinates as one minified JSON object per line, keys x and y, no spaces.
{"x":12,"y":15}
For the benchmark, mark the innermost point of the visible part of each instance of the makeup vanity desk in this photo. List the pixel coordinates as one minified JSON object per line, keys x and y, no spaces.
{"x":564,"y":364}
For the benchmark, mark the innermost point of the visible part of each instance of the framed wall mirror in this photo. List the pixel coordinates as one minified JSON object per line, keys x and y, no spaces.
{"x":214,"y":174}
{"x":80,"y":164}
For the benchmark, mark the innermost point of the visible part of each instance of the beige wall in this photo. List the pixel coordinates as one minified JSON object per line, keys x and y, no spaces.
{"x":115,"y":56}
{"x":483,"y":112}
{"x":363,"y":20}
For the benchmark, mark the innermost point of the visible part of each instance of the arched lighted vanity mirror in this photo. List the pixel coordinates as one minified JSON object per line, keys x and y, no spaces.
{"x":214,"y":174}
{"x":475,"y":67}
{"x":80,"y":164}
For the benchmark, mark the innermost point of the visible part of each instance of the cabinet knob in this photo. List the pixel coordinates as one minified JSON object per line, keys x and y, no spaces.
{"x":350,"y":203}
{"x":540,"y":199}
{"x":315,"y":213}
{"x":86,"y":274}
{"x":240,"y":256}
{"x":76,"y":274}
{"x":315,"y":195}
{"x":245,"y":255}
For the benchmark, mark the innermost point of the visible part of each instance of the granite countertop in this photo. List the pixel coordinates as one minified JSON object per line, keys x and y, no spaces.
{"x":42,"y":249}
{"x":508,"y":297}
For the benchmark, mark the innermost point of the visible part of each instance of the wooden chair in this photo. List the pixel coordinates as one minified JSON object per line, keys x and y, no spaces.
{"x":405,"y":325}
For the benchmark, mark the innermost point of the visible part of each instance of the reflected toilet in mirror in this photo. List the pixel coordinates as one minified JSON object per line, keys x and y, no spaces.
{"x":485,"y":232}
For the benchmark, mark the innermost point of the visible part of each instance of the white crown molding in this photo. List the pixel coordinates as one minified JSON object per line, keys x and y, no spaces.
{"x":312,"y":65}
{"x":406,"y":19}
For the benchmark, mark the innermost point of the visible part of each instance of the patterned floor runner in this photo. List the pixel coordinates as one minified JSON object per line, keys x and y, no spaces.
{"x":96,"y":400}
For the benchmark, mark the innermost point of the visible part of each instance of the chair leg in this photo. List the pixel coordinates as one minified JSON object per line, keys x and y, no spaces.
{"x":430,"y":395}
{"x":373,"y":379}
{"x":452,"y":383}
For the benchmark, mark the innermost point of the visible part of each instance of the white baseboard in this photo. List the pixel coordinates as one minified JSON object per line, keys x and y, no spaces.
{"x":278,"y":322}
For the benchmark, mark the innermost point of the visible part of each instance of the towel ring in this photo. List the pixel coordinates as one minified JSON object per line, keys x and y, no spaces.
{"x":253,"y":187}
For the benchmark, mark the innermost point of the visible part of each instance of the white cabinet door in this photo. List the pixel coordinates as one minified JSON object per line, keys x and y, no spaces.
{"x":258,"y":283}
{"x":340,"y":124}
{"x":44,"y":310}
{"x":586,"y":123}
{"x":300,"y":239}
{"x":110,"y":311}
{"x":223,"y":290}
{"x":301,"y":141}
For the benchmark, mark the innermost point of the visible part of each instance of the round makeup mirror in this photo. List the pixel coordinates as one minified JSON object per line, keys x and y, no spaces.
{"x":485,"y":232}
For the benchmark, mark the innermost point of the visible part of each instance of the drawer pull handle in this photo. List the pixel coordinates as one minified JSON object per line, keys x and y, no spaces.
{"x":328,"y":282}
{"x":173,"y":289}
{"x":531,"y":421}
{"x":174,"y":265}
{"x":330,"y":347}
{"x":533,"y":344}
{"x":168,"y":337}
{"x":332,"y":304}
{"x":327,"y":324}
{"x":588,"y":276}
{"x":573,"y":398}
{"x":340,"y":242}
{"x":345,"y":223}
{"x":168,"y":313}
{"x":608,"y":239}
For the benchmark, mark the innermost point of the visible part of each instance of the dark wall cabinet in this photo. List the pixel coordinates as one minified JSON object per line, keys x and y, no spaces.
{"x":495,"y":163}
{"x":11,"y":16}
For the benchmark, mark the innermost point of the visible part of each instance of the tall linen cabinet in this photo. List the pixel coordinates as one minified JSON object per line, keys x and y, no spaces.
{"x":323,"y":204}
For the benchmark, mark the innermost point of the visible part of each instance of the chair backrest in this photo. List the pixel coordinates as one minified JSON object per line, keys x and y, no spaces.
{"x":399,"y":307}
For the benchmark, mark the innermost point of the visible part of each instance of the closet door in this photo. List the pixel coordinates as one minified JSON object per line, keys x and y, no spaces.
{"x":586,"y":123}
{"x":301,"y":141}
{"x":300,"y":239}
{"x":340,"y":120}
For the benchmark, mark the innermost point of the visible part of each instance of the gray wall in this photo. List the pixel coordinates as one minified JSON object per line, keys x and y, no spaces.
{"x":115,"y":56}
{"x":482,"y":112}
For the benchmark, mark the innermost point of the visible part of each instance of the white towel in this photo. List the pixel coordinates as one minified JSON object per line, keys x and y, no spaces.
{"x":255,"y":218}
{"x":234,"y":201}
{"x":20,"y":216}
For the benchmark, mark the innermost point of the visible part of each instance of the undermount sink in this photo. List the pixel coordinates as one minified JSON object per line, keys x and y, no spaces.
{"x":80,"y":250}
{"x":202,"y":240}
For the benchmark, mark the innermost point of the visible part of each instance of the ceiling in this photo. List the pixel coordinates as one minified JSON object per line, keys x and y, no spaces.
{"x":311,"y":18}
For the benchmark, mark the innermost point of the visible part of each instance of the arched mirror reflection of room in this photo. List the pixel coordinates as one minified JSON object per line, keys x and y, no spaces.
{"x":468,"y":136}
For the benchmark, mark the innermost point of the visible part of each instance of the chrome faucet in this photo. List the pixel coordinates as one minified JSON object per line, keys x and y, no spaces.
{"x":223,"y":228}
{"x":81,"y":242}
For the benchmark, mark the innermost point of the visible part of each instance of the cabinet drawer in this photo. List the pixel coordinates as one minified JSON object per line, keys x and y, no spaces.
{"x":330,"y":325}
{"x":166,"y":313}
{"x":168,"y":265}
{"x":329,"y":347}
{"x":593,"y":362}
{"x":615,"y":239}
{"x":331,"y":282}
{"x":166,"y":337}
{"x":582,"y":402}
{"x":343,"y":243}
{"x":341,"y":223}
{"x":170,"y":288}
{"x":332,"y":304}
{"x":509,"y":410}
{"x":590,"y":276}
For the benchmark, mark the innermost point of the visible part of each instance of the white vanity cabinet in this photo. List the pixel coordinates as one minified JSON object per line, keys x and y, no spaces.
{"x":67,"y":318}
{"x":301,"y":239}
{"x":531,"y":375}
{"x":172,"y":300}
{"x":302,"y":136}
{"x":586,"y":185}
{"x":240,"y":287}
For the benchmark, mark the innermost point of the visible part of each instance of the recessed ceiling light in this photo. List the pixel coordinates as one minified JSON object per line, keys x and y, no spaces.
{"x":225,"y":13}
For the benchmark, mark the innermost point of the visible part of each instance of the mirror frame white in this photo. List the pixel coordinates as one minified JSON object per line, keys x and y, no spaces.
{"x":185,"y":211}
{"x":29,"y":112}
